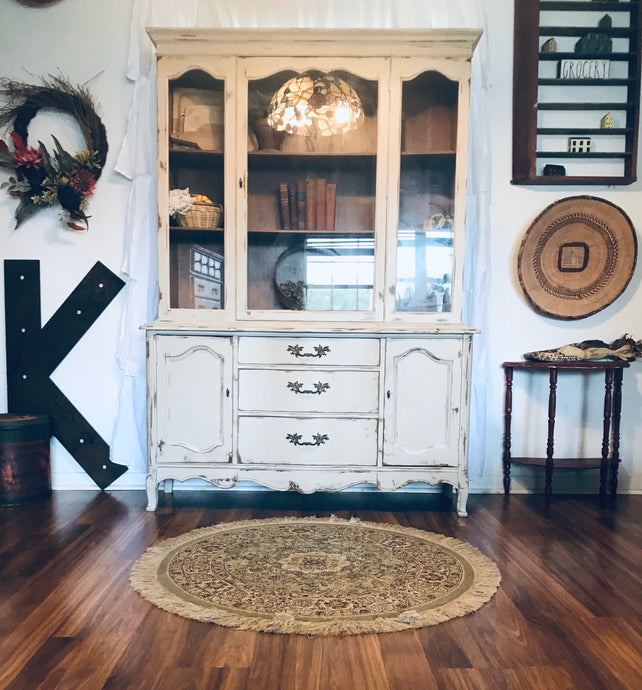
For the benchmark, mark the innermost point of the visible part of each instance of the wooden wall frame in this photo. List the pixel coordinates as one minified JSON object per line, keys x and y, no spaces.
{"x":533,"y":87}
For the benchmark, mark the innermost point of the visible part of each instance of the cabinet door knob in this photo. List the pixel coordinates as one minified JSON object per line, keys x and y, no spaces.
{"x":227,"y":392}
{"x":388,"y":395}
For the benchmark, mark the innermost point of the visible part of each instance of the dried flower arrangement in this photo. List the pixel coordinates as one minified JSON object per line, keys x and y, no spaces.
{"x":180,"y":201}
{"x":42,"y":179}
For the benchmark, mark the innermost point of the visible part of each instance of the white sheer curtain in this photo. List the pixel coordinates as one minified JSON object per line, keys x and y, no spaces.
{"x":137,"y":161}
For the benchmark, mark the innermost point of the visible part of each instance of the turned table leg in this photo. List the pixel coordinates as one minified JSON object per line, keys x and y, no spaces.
{"x":508,"y":410}
{"x":608,"y":404}
{"x":615,"y":447}
{"x":552,"y":401}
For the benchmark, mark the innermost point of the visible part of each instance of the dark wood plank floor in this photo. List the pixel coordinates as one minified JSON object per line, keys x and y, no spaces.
{"x":567,"y":615}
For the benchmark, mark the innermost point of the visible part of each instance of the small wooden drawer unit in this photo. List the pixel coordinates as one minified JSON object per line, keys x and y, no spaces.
{"x":315,"y":441}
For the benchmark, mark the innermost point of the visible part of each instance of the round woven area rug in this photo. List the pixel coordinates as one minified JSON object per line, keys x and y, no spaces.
{"x":315,"y":576}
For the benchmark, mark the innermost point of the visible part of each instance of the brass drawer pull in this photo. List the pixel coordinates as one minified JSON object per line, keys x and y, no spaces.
{"x":319,"y":351}
{"x":318,"y":388}
{"x":317,"y":440}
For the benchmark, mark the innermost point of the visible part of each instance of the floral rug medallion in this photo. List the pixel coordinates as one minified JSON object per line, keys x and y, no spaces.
{"x":315,"y":576}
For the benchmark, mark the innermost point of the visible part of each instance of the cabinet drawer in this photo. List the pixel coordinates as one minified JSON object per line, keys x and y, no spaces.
{"x":309,"y":351}
{"x":309,"y":390}
{"x":320,"y":441}
{"x":207,"y":289}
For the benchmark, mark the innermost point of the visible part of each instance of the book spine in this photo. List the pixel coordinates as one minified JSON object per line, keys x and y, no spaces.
{"x":301,"y":209}
{"x":321,"y":203}
{"x":294,"y":207}
{"x":310,"y":201}
{"x":331,"y":205}
{"x":285,"y":206}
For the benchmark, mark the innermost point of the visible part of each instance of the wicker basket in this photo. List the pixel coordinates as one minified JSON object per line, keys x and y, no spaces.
{"x":202,"y":216}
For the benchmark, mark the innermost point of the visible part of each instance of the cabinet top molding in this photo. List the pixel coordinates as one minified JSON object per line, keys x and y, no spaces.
{"x":445,"y":43}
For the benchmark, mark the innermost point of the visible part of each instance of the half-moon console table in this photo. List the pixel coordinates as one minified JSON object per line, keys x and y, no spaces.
{"x":611,"y":422}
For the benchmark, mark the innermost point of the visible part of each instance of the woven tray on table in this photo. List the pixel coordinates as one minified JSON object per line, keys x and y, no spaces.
{"x":202,"y":216}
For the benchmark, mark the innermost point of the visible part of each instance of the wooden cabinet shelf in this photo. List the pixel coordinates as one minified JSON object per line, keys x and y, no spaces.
{"x":176,"y":230}
{"x":553,"y":103}
{"x":312,"y":233}
{"x":581,"y":30}
{"x":585,"y":82}
{"x":624,"y":57}
{"x":592,"y":6}
{"x":566,"y":154}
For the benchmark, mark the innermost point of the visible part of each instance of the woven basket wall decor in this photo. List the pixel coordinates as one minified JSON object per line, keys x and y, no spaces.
{"x":577,"y":257}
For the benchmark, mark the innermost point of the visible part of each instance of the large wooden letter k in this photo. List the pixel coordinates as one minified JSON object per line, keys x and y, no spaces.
{"x":34,"y":352}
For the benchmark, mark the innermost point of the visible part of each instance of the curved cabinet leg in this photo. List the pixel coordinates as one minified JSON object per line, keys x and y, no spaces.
{"x":152,"y":491}
{"x":462,"y":499}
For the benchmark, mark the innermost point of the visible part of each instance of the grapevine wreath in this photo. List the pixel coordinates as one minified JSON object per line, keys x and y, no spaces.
{"x":41,"y":178}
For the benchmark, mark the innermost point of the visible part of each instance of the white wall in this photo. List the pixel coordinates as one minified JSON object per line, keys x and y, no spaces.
{"x":515,"y":328}
{"x":81,"y":41}
{"x":85,"y":40}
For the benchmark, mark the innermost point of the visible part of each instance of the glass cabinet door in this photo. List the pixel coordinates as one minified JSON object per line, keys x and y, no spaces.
{"x":312,"y":177}
{"x":425,"y":234}
{"x":196,"y":190}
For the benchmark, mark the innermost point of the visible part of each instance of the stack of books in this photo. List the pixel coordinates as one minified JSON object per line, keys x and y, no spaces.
{"x":308,"y":205}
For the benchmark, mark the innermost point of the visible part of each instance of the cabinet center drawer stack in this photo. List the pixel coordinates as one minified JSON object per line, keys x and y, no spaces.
{"x":309,"y":402}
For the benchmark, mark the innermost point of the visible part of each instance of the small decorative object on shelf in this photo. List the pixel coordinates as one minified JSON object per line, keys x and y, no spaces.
{"x":439,"y":221}
{"x":43,"y":178}
{"x":597,"y":41}
{"x":197,"y":119}
{"x":550,"y":169}
{"x":194,"y":211}
{"x":308,"y":205}
{"x":579,"y":144}
{"x":607,"y":121}
{"x":180,"y":202}
{"x":584,"y":69}
{"x":549,"y":46}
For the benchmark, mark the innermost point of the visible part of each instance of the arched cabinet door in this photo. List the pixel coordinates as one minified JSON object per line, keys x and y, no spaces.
{"x":192,"y":421}
{"x":423,"y":402}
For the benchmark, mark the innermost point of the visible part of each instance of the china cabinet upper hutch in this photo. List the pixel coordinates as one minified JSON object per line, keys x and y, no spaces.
{"x":309,"y":333}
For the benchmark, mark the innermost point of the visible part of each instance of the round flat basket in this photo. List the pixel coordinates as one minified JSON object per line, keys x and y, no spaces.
{"x":577,"y":257}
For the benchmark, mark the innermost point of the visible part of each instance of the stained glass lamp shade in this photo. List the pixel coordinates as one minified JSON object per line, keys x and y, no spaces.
{"x":315,"y":104}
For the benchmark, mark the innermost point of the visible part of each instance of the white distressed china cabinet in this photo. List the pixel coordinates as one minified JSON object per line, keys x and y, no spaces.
{"x":309,"y":333}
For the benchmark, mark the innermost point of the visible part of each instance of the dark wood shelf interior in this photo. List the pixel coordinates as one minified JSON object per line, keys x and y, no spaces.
{"x":575,"y":180}
{"x":586,"y":106}
{"x":585,"y":82}
{"x":588,"y":6}
{"x":589,"y":155}
{"x":579,"y":131}
{"x":620,"y":57}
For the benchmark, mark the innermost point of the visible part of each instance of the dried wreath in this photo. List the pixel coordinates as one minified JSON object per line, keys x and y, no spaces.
{"x":42,"y":179}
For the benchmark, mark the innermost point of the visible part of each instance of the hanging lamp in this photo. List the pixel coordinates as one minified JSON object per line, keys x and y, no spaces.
{"x":315,"y":104}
